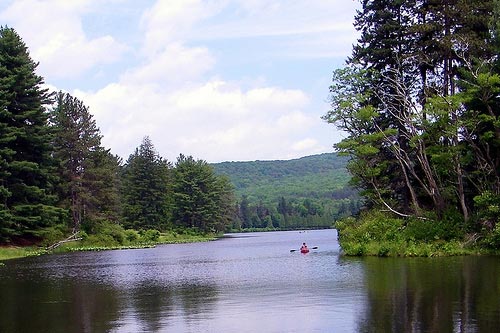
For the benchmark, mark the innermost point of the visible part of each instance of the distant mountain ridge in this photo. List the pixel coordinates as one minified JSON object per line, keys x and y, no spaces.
{"x":316,"y":176}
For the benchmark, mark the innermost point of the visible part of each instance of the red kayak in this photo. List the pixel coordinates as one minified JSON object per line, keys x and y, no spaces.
{"x":304,"y":250}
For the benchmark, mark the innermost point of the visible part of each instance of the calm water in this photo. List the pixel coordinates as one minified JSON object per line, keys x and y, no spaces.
{"x":249,"y":283}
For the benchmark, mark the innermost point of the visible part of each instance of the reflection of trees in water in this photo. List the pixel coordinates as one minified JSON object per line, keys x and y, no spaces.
{"x":42,"y":306}
{"x":198,"y":299}
{"x":154,"y":304}
{"x":151,"y":305}
{"x":82,"y":306}
{"x":431,"y":295}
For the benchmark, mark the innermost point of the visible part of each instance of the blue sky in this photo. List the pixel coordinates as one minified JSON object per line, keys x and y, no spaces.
{"x":221,"y":80}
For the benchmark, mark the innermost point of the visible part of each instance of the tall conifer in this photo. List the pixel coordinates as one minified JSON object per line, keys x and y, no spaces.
{"x":89,"y":172}
{"x":27,"y":177}
{"x":146,"y":189}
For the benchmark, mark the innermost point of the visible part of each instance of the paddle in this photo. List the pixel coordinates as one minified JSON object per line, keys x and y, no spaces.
{"x":312,"y":248}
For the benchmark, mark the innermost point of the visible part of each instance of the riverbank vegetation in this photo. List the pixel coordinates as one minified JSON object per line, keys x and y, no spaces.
{"x":419,"y":103}
{"x":376,"y":233}
{"x":110,"y":237}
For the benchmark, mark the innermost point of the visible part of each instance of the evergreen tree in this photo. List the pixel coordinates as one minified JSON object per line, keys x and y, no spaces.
{"x":202,"y":200}
{"x":245,"y":212}
{"x":146,"y":189}
{"x":88,"y":171}
{"x":226,"y":201}
{"x":102,"y":181}
{"x":27,"y":199}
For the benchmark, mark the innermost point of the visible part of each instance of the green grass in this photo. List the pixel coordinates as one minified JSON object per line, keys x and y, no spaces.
{"x":7,"y":253}
{"x":13,"y":252}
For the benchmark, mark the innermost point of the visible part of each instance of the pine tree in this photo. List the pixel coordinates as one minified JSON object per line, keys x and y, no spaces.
{"x":27,"y":199}
{"x":146,"y":189}
{"x":76,"y":137}
{"x":202,"y":200}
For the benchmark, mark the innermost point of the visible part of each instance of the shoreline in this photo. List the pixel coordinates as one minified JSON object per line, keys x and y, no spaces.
{"x":15,"y":252}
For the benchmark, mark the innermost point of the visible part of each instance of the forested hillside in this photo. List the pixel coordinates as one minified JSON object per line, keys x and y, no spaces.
{"x":310,"y":191}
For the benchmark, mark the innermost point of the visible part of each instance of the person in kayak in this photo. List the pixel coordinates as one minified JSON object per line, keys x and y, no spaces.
{"x":304,"y":248}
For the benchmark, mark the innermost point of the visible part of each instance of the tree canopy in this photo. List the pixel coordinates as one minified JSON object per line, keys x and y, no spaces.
{"x":418,"y":99}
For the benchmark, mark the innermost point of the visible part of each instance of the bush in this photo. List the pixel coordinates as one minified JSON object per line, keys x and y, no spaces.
{"x":371,"y":226}
{"x":107,"y":234}
{"x":131,"y":236}
{"x":492,"y":240}
{"x":448,"y":228}
{"x":51,"y":235}
{"x":377,"y":234}
{"x":100,"y":240}
{"x":354,"y":249}
{"x":150,"y":235}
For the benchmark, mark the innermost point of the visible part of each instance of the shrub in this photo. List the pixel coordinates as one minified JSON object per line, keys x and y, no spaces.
{"x":131,"y":235}
{"x":377,"y":234}
{"x":451,"y":226}
{"x":51,"y":235}
{"x":107,"y":234}
{"x":492,"y":240}
{"x":100,"y":240}
{"x":371,"y":226}
{"x":150,"y":235}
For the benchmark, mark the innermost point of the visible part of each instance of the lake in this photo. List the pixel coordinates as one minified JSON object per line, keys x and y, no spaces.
{"x":248,"y":282}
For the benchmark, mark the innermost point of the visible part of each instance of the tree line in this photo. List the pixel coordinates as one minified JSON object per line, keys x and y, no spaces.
{"x":55,"y":173}
{"x":308,"y":192}
{"x":419,"y":101}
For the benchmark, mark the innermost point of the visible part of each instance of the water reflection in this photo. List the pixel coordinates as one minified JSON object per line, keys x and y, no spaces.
{"x":35,"y":306}
{"x":153,"y":308}
{"x":74,"y":306}
{"x":432,"y":295}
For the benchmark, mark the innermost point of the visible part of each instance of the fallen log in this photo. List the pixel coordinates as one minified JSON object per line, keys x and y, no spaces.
{"x":71,"y":238}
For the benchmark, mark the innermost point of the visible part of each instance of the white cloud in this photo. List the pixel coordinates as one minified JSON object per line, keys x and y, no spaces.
{"x":169,"y":21}
{"x":173,"y":88}
{"x":176,"y":64}
{"x":53,"y":31}
{"x":212,"y":121}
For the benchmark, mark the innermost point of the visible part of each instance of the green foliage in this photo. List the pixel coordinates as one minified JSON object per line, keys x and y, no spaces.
{"x":112,"y":235}
{"x":51,"y":235}
{"x":131,"y":236}
{"x":488,"y":205}
{"x":88,"y":172}
{"x":146,"y":189}
{"x":379,"y":234}
{"x":202,"y":199}
{"x":107,"y":233}
{"x":419,"y":103}
{"x":291,"y":194}
{"x":27,"y":197}
{"x":492,"y":240}
{"x":449,"y":227}
{"x":373,"y":226}
{"x":150,"y":236}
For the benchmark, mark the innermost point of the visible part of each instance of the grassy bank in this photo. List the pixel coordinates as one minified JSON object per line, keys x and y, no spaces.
{"x":12,"y":252}
{"x":109,"y":241}
{"x":377,"y":234}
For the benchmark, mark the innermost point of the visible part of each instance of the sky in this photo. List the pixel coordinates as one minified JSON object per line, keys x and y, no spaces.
{"x":220,"y":80}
